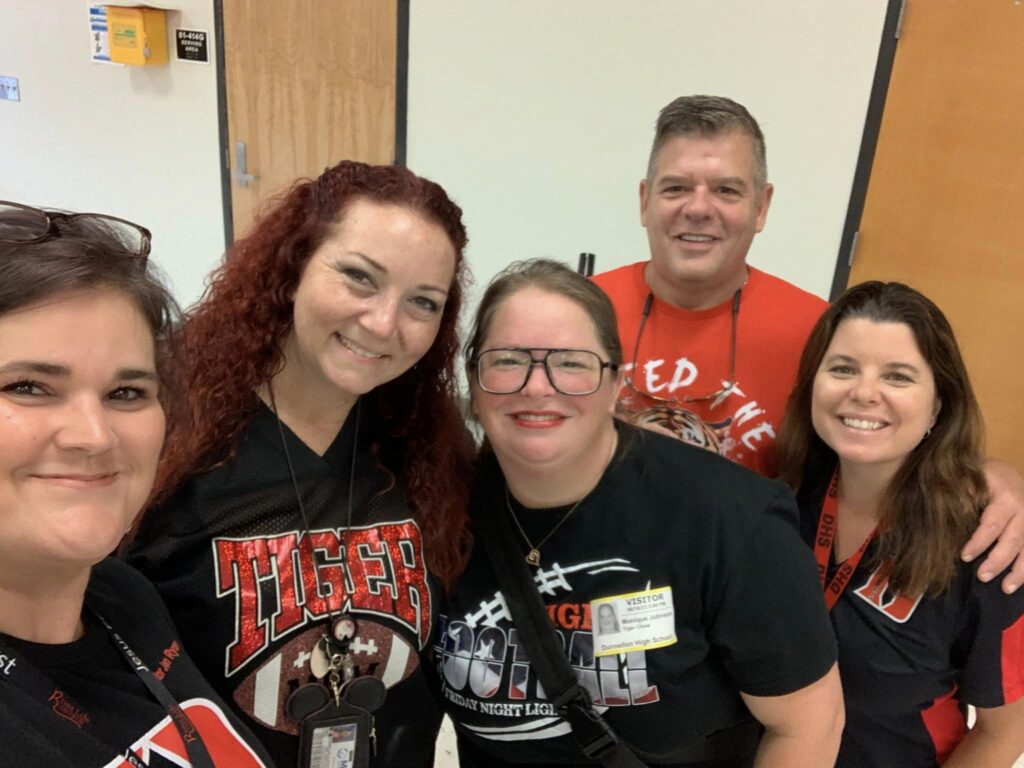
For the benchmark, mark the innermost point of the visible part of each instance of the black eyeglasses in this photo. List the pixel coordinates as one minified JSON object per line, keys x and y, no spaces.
{"x":717,"y":397}
{"x":574,"y":372}
{"x":26,"y":224}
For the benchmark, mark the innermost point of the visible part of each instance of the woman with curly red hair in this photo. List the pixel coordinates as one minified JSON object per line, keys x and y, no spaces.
{"x":313,"y":497}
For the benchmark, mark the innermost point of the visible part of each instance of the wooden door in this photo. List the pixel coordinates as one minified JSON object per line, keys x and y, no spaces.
{"x":309,"y":83}
{"x":945,"y":205}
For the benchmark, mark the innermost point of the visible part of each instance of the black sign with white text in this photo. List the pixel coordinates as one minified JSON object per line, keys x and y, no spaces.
{"x":192,"y":45}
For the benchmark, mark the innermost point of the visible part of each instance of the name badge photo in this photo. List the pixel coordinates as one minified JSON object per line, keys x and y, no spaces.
{"x":637,"y":621}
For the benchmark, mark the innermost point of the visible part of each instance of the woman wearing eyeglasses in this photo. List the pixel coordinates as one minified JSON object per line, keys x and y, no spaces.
{"x":92,"y":670}
{"x":718,"y":614}
{"x":882,"y":441}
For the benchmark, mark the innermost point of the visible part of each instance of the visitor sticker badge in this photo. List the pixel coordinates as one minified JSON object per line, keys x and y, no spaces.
{"x":638,"y":621}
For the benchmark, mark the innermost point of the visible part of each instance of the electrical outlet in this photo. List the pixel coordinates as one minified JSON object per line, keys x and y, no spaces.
{"x":9,"y":89}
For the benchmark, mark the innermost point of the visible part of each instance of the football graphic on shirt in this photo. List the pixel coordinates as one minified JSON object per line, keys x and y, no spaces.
{"x":376,"y":650}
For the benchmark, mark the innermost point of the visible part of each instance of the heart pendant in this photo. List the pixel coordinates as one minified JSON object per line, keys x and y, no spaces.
{"x":533,"y":557}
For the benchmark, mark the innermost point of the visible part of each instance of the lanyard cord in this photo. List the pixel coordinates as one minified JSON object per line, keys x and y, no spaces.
{"x":828,"y":521}
{"x":648,"y":302}
{"x":40,"y":688}
{"x":732,"y":339}
{"x":198,"y":755}
{"x":719,"y":395}
{"x":295,"y":481}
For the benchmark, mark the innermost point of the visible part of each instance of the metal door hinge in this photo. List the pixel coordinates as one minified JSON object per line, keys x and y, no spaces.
{"x":853,"y":248}
{"x":899,"y":19}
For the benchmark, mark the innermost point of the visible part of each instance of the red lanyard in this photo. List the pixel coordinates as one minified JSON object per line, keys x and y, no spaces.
{"x":823,"y":540}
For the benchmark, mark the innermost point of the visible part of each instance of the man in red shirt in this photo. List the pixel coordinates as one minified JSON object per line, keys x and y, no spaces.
{"x":711,"y":344}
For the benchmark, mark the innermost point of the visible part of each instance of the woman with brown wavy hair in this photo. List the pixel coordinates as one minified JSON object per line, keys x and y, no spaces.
{"x":882,"y":441}
{"x":313,"y":499}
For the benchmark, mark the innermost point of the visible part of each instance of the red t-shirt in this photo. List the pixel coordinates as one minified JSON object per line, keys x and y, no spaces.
{"x":685,"y":353}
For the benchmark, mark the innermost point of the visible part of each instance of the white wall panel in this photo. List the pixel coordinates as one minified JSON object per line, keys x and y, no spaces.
{"x":139,"y":143}
{"x":537,"y":115}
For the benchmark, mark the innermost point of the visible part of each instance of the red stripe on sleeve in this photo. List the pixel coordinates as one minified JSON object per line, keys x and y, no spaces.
{"x":945,"y":724}
{"x":1013,"y":661}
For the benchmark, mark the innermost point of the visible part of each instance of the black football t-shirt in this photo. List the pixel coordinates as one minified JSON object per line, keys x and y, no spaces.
{"x":748,"y":614}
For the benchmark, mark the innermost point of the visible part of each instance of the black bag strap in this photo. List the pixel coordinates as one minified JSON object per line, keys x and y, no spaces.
{"x":594,"y":736}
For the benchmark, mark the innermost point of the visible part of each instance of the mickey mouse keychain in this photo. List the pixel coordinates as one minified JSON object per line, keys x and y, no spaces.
{"x":337,"y":724}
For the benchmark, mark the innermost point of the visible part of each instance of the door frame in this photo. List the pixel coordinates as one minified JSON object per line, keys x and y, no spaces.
{"x":868,"y":144}
{"x":861,"y":178}
{"x":401,"y":105}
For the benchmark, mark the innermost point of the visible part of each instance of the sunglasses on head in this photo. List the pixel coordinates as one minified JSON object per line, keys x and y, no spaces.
{"x":27,"y":224}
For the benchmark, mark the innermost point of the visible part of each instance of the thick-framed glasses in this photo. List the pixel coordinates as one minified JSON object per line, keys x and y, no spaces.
{"x":26,"y":224}
{"x":574,"y":372}
{"x":717,"y":397}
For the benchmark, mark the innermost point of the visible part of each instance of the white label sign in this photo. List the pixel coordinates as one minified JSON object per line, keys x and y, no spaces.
{"x":638,"y":621}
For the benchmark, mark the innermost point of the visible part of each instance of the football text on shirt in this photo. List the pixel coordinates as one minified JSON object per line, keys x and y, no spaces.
{"x":484,"y":667}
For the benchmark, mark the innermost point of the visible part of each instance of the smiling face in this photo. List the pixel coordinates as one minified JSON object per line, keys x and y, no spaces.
{"x":701,"y":210}
{"x":80,"y":428}
{"x":539,"y":430}
{"x":369,"y":303}
{"x":874,"y":395}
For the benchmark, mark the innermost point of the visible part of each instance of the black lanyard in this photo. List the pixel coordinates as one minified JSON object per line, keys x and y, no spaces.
{"x":41,"y":689}
{"x":718,"y":396}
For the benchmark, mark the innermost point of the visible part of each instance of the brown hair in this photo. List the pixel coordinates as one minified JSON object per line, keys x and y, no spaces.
{"x":932,"y":504}
{"x":708,"y":116}
{"x":81,"y":253}
{"x":232,"y":345}
{"x":553,"y":277}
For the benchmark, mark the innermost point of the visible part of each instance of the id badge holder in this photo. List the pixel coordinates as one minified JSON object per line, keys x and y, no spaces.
{"x":337,"y":731}
{"x":336,"y":737}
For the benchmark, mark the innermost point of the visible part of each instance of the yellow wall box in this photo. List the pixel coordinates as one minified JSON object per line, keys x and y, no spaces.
{"x":138,"y":35}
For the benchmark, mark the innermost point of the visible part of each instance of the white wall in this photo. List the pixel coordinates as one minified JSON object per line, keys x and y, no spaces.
{"x":138,"y":143}
{"x":537,"y":116}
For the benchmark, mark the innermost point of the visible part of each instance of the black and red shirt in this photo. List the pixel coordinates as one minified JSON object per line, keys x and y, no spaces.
{"x":252,"y":593}
{"x":99,"y":707}
{"x":910,"y":665}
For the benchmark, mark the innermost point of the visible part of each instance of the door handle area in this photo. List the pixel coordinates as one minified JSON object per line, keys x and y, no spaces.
{"x":241,"y":173}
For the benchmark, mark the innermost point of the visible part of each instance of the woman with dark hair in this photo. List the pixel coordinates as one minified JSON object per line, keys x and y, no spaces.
{"x":92,"y":671}
{"x":312,"y":500}
{"x":699,"y":558}
{"x":883,"y":443}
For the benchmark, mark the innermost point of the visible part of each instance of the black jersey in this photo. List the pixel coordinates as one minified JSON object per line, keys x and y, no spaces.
{"x":748,"y":613}
{"x":910,"y":665}
{"x":99,"y":707}
{"x":251,"y":594}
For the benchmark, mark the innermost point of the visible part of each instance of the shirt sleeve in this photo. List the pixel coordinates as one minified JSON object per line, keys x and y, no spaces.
{"x":991,"y":644}
{"x":771,"y":627}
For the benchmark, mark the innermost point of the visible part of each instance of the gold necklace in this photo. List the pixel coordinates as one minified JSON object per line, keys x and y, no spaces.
{"x":533,"y":556}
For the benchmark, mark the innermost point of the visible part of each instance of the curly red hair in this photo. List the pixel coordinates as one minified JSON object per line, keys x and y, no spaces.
{"x":231,"y":346}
